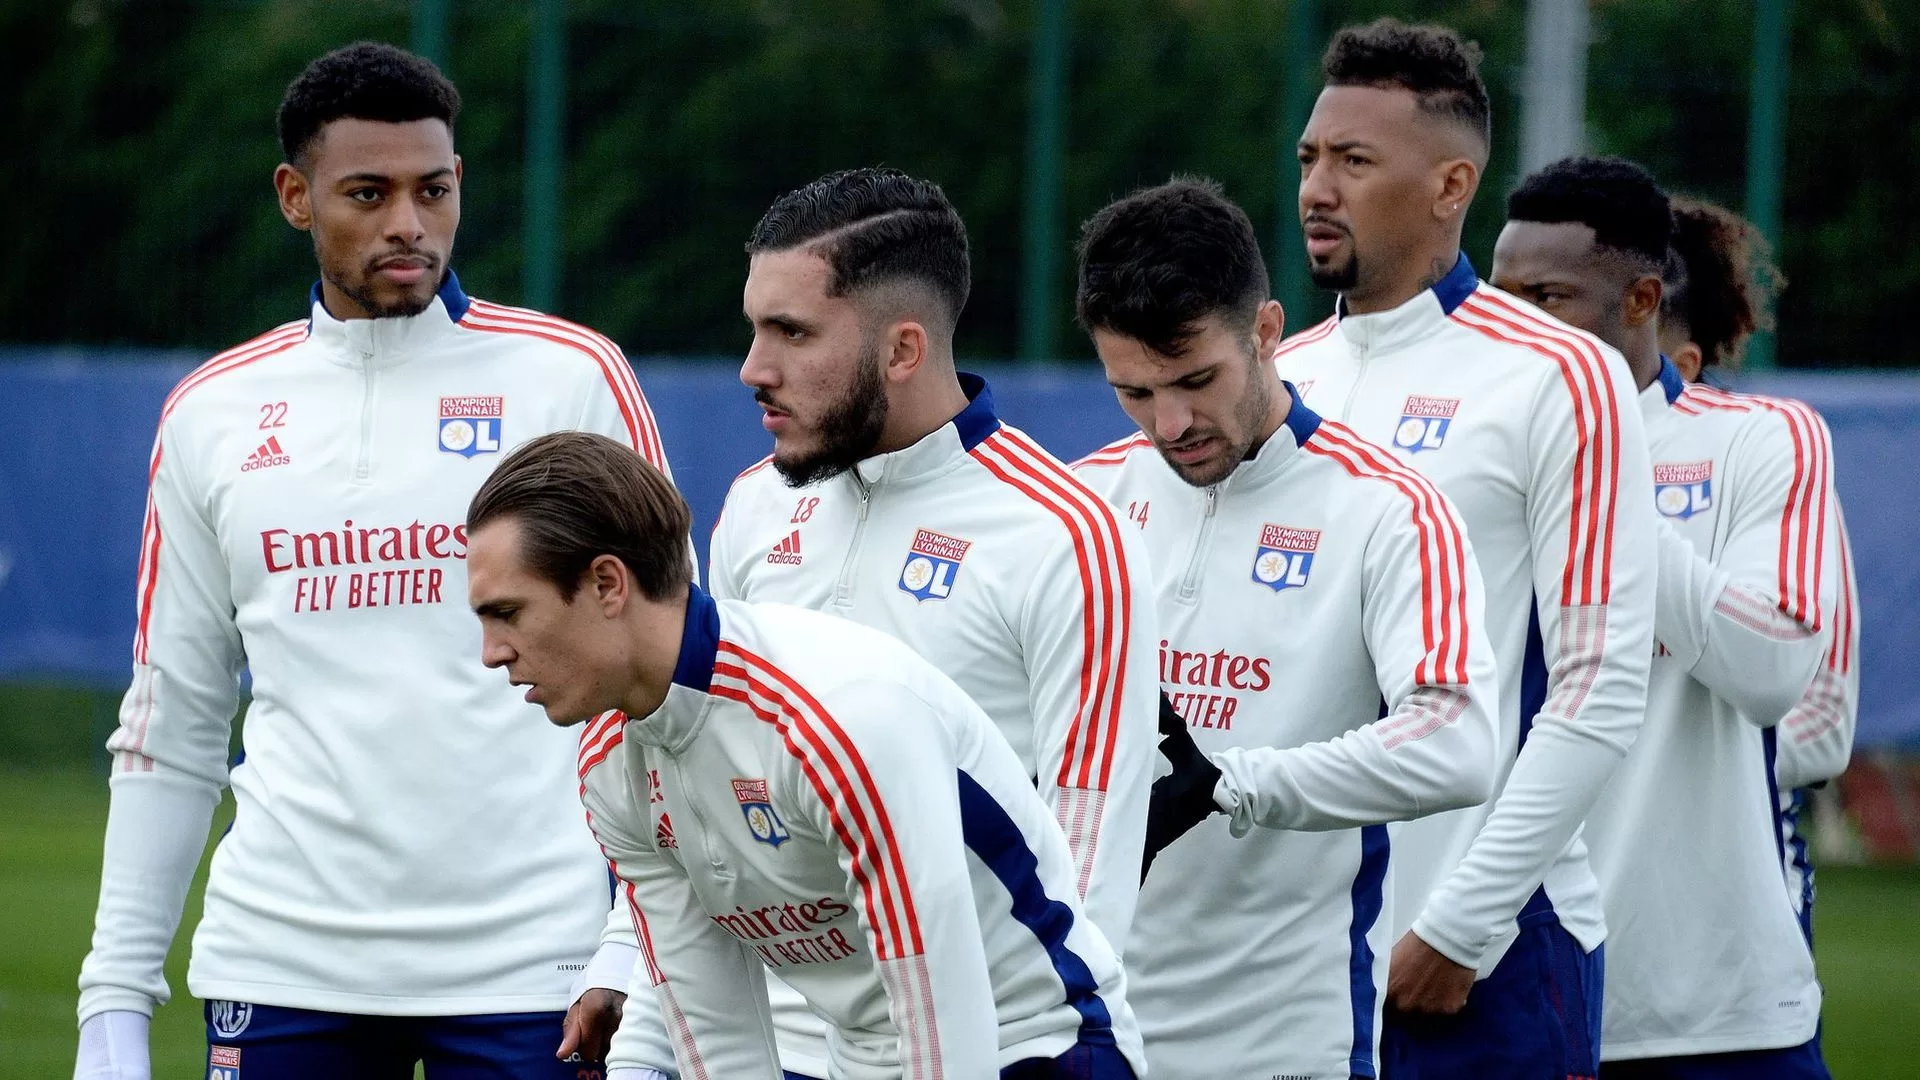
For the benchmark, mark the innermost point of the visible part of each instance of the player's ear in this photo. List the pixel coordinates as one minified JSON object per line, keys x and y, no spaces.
{"x":1688,"y":361}
{"x":610,"y":584}
{"x":296,"y":196}
{"x":1641,"y":305}
{"x":1269,"y":326}
{"x":908,"y":349}
{"x":1459,"y":179}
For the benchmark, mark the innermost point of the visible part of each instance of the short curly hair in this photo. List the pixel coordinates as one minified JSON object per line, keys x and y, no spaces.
{"x":1721,"y":280}
{"x":368,"y":80}
{"x":1440,"y":69}
{"x":874,"y":226}
{"x":1614,"y":197}
{"x":1154,"y":264}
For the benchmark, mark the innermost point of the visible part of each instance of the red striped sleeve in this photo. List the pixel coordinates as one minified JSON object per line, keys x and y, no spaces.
{"x":1587,"y":579}
{"x":1307,"y":337}
{"x":1114,"y":453}
{"x":839,"y":775}
{"x":1846,"y":636}
{"x":598,"y":737}
{"x":1443,"y":551}
{"x":1106,"y":594}
{"x":642,"y":433}
{"x":1803,"y":520}
{"x":277,"y":340}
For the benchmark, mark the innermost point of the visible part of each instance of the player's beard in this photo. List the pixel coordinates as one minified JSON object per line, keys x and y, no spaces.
{"x":408,"y":305}
{"x":1248,"y":419}
{"x":1340,"y":278}
{"x":849,"y":428}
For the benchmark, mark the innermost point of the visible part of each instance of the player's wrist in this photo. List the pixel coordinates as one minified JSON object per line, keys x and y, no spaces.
{"x":1442,"y":940}
{"x":113,"y":1046}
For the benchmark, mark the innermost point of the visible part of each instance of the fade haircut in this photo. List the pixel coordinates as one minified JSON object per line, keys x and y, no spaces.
{"x":874,"y":227}
{"x":367,"y":80}
{"x":1155,"y":264}
{"x":1431,"y":62}
{"x":1628,"y":213}
{"x":578,"y":496}
{"x":1721,"y":280}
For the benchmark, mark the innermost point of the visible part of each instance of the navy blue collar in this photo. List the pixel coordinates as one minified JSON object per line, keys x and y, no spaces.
{"x":450,"y":295}
{"x":977,"y":421}
{"x":1670,"y":380}
{"x":699,"y":642}
{"x":1302,"y":421}
{"x":1453,"y":290}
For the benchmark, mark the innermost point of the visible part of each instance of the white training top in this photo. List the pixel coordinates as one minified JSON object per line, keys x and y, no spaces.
{"x":406,"y":839}
{"x":1321,"y":621}
{"x":981,"y":551}
{"x":1705,"y":954}
{"x":814,"y":799}
{"x":1529,"y":427}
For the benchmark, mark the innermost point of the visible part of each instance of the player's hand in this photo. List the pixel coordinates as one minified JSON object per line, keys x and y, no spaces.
{"x":590,"y":1025}
{"x":1421,"y":980}
{"x":113,"y":1046}
{"x":1183,"y":798}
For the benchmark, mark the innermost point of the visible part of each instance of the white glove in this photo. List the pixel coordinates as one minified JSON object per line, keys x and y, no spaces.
{"x":637,"y":1074}
{"x":113,"y":1046}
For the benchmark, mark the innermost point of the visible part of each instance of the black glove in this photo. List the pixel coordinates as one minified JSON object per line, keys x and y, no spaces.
{"x":1184,"y":797}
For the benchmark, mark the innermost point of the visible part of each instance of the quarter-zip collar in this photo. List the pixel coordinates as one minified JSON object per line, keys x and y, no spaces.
{"x":678,"y":717}
{"x":385,"y":343}
{"x":941,"y":449}
{"x":1413,"y":321}
{"x":1662,"y":392}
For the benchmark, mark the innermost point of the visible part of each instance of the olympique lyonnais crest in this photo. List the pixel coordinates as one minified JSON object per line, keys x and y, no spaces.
{"x":933,"y":562}
{"x":223,"y":1063}
{"x":762,"y":822}
{"x":1681,"y":490}
{"x":471,"y":425}
{"x":1424,"y":422}
{"x":1285,"y":556}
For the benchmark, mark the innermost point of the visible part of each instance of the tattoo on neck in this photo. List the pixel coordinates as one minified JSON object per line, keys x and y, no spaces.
{"x":1438,"y":270}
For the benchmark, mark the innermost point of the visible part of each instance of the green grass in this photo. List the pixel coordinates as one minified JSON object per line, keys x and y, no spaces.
{"x":51,"y":822}
{"x":1868,"y":934}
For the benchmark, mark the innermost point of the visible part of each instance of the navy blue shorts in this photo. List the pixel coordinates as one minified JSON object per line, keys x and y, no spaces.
{"x":1086,"y":1061}
{"x":1536,"y":1017}
{"x":1801,"y":1062}
{"x":267,"y":1042}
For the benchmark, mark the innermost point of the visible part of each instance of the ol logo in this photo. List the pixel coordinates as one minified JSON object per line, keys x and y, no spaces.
{"x":757,"y":808}
{"x":933,"y":562}
{"x":229,"y":1018}
{"x":223,"y":1063}
{"x":1424,"y":422}
{"x":1683,"y":490}
{"x":471,"y":425}
{"x":1284,"y":557}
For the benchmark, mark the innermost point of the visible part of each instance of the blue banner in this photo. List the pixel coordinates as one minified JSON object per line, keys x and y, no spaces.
{"x":76,"y":431}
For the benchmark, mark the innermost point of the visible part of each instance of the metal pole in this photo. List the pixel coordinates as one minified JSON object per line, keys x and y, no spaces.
{"x":1553,"y":122}
{"x":1767,"y":138}
{"x":1299,"y":86}
{"x":430,"y":19}
{"x":1046,"y":122}
{"x":546,"y":109}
